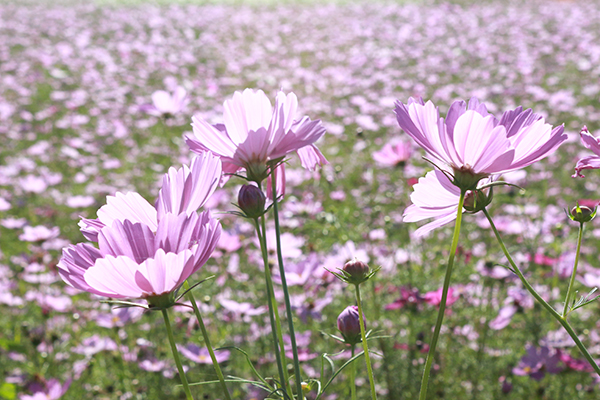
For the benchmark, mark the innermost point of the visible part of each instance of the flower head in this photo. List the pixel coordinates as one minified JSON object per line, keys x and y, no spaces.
{"x":473,"y":143}
{"x":145,"y":251}
{"x":256,"y":136}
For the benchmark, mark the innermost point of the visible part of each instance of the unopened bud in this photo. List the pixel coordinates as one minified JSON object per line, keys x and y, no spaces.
{"x":251,"y":201}
{"x":348,"y":325}
{"x":582,"y":214}
{"x":477,"y":200}
{"x":356,"y":271}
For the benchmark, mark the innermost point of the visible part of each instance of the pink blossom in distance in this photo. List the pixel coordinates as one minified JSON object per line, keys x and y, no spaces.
{"x":167,"y":104}
{"x":392,"y":155}
{"x":254,"y":133}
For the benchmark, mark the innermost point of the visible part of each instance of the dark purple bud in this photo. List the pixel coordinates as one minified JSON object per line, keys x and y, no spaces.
{"x":348,"y":325}
{"x":251,"y":201}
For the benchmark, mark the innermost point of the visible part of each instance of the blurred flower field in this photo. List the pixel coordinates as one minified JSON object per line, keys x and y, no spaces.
{"x":86,"y":111}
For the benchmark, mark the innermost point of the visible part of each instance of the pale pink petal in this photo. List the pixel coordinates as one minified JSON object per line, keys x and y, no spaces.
{"x":163,"y":273}
{"x":187,"y":189}
{"x":162,"y":101}
{"x":75,"y":261}
{"x":208,"y":137}
{"x":113,"y":277}
{"x":176,"y":233}
{"x":247,"y":111}
{"x":130,"y":206}
{"x":135,"y":241}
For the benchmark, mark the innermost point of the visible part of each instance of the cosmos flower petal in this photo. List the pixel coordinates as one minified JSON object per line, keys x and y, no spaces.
{"x":187,"y":189}
{"x":113,"y":277}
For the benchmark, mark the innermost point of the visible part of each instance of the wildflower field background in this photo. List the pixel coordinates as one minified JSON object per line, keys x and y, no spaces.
{"x":74,"y":82}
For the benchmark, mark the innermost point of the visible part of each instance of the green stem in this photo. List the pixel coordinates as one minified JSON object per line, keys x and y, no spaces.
{"x":440,"y":317}
{"x":552,"y":311}
{"x":352,"y":377}
{"x":184,"y":382}
{"x":364,"y":342}
{"x":572,"y":281}
{"x":191,"y":298}
{"x":273,"y":313}
{"x":286,"y":295}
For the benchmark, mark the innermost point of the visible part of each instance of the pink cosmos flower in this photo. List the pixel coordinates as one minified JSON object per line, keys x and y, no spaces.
{"x":588,"y":162}
{"x":143,"y":251}
{"x":473,"y":143}
{"x":255,"y":134}
{"x":393,"y":155}
{"x":167,"y":104}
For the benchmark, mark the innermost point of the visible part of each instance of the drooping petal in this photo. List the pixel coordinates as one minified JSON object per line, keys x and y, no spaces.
{"x":311,"y":157}
{"x":589,"y":162}
{"x":590,"y":141}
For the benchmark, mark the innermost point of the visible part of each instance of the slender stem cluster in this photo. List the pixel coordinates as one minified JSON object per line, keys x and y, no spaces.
{"x":273,"y":313}
{"x":286,"y":295}
{"x":572,"y":280}
{"x":561,"y":319}
{"x":440,"y":317}
{"x":364,"y":342}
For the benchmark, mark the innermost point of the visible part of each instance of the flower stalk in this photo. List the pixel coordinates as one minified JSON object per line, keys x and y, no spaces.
{"x":574,"y":273}
{"x":364,"y":342}
{"x":286,"y":295}
{"x":218,"y":371}
{"x":440,"y":317}
{"x":184,"y":382}
{"x":273,"y":313}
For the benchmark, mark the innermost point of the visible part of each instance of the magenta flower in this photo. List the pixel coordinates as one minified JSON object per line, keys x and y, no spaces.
{"x":143,"y":251}
{"x":473,"y":143}
{"x":256,"y":136}
{"x":588,"y":162}
{"x":538,"y":362}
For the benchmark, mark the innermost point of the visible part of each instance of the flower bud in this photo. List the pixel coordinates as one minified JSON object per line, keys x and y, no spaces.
{"x":582,"y":214}
{"x":356,"y":271}
{"x":251,"y":201}
{"x":477,"y":200}
{"x":348,"y":325}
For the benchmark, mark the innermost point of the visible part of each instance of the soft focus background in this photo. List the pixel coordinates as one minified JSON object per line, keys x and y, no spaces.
{"x":75,"y":80}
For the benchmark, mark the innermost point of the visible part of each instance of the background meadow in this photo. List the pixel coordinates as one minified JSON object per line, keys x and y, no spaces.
{"x":74,"y":82}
